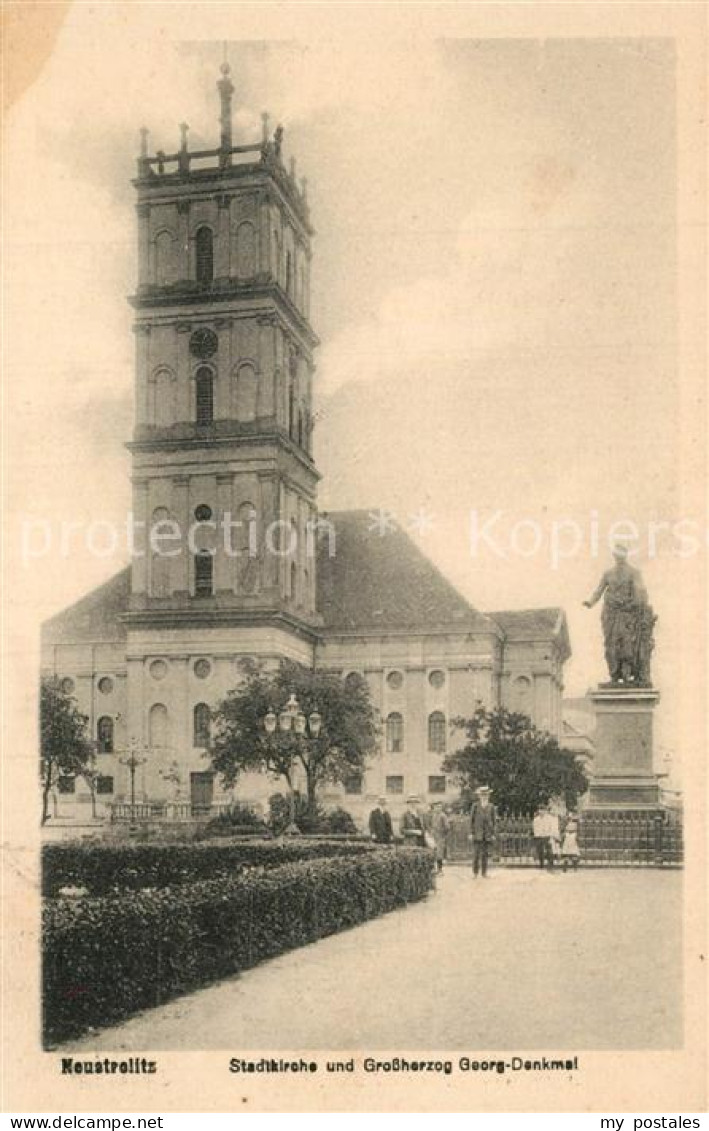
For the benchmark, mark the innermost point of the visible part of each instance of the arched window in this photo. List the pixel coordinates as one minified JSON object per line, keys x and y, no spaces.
{"x":291,"y":408}
{"x":203,"y":574}
{"x":293,"y":581}
{"x":276,"y":255}
{"x":292,"y":378}
{"x":162,"y":527}
{"x":437,"y":732}
{"x":204,"y":395}
{"x":246,"y":391}
{"x":158,"y":727}
{"x":164,"y":258}
{"x":104,"y":735}
{"x":202,"y":725}
{"x":204,"y":255}
{"x":161,"y":397}
{"x":246,"y":250}
{"x":247,"y":548}
{"x":246,"y":533}
{"x":395,"y":733}
{"x":522,"y":695}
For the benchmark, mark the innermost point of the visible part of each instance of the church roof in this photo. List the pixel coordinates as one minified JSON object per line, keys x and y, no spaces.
{"x":371,"y":582}
{"x":94,"y":617}
{"x":527,"y":620}
{"x":382,"y":580}
{"x":534,"y":624}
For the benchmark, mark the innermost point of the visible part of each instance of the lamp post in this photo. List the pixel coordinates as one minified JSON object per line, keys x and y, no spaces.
{"x":291,"y":720}
{"x":132,"y":761}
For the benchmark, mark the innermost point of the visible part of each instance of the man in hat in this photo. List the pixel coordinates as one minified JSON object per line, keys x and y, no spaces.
{"x":440,"y":827}
{"x":380,"y":828}
{"x":482,"y":829}
{"x":411,"y":826}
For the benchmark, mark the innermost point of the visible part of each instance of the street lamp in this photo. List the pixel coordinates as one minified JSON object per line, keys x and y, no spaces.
{"x":292,"y":720}
{"x":132,"y":761}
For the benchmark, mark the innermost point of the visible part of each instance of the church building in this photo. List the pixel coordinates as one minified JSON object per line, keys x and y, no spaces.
{"x":232,"y":558}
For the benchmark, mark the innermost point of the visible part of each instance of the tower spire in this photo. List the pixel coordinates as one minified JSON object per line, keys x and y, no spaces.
{"x":226,"y":89}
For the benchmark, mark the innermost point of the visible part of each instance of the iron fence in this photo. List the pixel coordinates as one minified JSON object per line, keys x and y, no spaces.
{"x":628,"y":838}
{"x":144,"y":811}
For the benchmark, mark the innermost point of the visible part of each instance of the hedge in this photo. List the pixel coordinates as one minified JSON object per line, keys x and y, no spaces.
{"x":104,"y":958}
{"x":104,"y":869}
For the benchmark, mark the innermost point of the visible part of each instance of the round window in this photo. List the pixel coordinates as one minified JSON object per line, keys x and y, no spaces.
{"x":203,"y":513}
{"x":353,"y":681}
{"x":202,"y":669}
{"x":437,"y":679}
{"x":67,"y":685}
{"x":395,"y":680}
{"x":105,"y":685}
{"x":158,"y":669}
{"x":203,"y":343}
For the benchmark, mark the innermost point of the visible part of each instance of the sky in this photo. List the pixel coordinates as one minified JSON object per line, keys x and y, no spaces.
{"x":494,"y":287}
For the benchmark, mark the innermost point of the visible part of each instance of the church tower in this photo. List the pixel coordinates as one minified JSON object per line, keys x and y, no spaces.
{"x":224,"y":519}
{"x":224,"y":484}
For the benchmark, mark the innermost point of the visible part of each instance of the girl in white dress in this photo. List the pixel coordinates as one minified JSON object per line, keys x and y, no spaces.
{"x":570,"y":853}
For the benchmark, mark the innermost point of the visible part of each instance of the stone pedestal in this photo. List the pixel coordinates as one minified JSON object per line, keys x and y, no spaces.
{"x":623,"y":776}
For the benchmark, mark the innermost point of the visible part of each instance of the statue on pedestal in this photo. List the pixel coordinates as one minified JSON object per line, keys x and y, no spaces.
{"x":628,"y":622}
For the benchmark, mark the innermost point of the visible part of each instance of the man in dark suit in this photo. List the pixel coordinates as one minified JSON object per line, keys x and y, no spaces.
{"x":380,"y":828}
{"x":482,"y":830}
{"x":411,"y":825}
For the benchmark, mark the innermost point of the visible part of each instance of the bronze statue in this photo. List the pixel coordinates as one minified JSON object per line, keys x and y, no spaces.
{"x":628,"y":621}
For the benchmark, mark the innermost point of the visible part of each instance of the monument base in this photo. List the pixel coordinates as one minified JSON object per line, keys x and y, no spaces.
{"x":623,"y":765}
{"x":624,"y":793}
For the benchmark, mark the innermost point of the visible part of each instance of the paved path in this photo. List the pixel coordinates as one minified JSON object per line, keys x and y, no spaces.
{"x":521,"y":960}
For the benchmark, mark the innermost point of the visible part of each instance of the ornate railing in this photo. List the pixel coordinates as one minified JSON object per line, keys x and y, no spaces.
{"x":148,"y":811}
{"x":184,"y":161}
{"x":624,"y":839}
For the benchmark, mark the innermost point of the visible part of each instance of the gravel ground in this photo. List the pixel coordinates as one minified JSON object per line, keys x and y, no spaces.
{"x":521,"y":960}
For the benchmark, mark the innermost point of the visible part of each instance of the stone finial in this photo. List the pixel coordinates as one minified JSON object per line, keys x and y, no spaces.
{"x":183,"y":160}
{"x":264,"y":127}
{"x":144,"y":135}
{"x":278,"y":140}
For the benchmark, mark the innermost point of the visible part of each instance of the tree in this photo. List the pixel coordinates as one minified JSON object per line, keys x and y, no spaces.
{"x":65,"y":747}
{"x":347,"y":738}
{"x":524,"y":767}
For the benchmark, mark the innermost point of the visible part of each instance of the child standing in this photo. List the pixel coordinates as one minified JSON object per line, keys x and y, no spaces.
{"x":570,"y":853}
